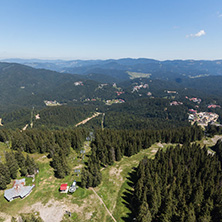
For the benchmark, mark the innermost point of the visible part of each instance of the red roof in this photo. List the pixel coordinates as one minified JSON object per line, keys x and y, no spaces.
{"x":63,"y":186}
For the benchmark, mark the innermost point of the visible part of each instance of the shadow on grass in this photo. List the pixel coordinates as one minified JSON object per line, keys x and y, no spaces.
{"x":127,"y":196}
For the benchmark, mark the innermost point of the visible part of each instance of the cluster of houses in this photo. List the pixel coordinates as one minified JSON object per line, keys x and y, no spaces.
{"x":202,"y":118}
{"x":119,"y":93}
{"x":88,"y":99}
{"x":176,"y":103}
{"x":110,"y":102}
{"x":52,"y":103}
{"x":136,"y":88}
{"x":79,"y":83}
{"x":64,"y":188}
{"x":213,"y":106}
{"x":194,"y":99}
{"x":102,"y":85}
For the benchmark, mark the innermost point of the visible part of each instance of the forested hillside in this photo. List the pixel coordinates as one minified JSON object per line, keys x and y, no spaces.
{"x":181,"y":184}
{"x":55,"y":123}
{"x":155,"y":67}
{"x":111,"y":145}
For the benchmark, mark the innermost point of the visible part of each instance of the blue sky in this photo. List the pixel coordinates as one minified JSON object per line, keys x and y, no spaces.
{"x":102,"y":29}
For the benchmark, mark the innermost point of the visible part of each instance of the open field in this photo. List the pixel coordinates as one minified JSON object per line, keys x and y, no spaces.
{"x":134,"y":75}
{"x":83,"y":204}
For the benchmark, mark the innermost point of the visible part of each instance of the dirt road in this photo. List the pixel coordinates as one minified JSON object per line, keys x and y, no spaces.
{"x":103,"y":204}
{"x":89,"y":118}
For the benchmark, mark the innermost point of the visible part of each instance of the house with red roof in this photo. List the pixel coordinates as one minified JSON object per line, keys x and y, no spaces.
{"x":64,"y":188}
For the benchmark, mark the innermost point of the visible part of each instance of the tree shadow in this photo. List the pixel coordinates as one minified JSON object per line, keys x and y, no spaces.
{"x":78,"y":183}
{"x":127,"y":197}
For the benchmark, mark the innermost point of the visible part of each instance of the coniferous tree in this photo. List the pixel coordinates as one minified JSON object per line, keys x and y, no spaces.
{"x":12,"y":164}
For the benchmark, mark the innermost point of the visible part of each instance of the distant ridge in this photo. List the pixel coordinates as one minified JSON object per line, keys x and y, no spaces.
{"x":110,"y":66}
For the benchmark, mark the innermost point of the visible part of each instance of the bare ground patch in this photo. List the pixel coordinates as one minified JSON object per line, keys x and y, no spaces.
{"x":154,"y":151}
{"x":54,"y":210}
{"x":215,"y":138}
{"x":6,"y":217}
{"x":116,"y":172}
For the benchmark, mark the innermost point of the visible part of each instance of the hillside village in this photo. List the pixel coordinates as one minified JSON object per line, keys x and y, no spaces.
{"x":111,"y":111}
{"x":202,"y":118}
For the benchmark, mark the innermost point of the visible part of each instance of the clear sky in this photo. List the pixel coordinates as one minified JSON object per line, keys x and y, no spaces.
{"x":102,"y":29}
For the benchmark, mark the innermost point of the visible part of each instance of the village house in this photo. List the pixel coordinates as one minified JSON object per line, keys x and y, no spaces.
{"x":169,"y":92}
{"x":78,"y":83}
{"x":192,"y":111}
{"x":213,"y":106}
{"x":176,"y":103}
{"x":64,"y":188}
{"x":51,"y":103}
{"x":119,"y":93}
{"x":73,"y":187}
{"x":18,"y":190}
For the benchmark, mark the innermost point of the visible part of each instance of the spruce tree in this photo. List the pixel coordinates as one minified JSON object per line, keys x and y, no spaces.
{"x":12,"y":164}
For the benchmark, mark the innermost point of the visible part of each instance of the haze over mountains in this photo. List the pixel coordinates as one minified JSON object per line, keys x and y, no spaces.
{"x":119,"y":68}
{"x":21,"y":81}
{"x":102,"y":82}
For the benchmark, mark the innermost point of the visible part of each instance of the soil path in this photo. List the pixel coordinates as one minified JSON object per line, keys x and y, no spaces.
{"x":89,"y":118}
{"x":103,"y":203}
{"x":1,"y":122}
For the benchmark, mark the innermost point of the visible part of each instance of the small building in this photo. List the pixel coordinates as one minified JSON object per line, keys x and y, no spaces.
{"x":173,"y":92}
{"x":64,"y":188}
{"x":73,"y":187}
{"x":18,"y":190}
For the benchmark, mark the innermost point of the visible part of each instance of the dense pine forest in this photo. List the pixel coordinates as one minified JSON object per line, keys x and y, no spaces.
{"x":15,"y":161}
{"x":180,"y":184}
{"x":56,"y":143}
{"x":44,"y":116}
{"x":111,"y":145}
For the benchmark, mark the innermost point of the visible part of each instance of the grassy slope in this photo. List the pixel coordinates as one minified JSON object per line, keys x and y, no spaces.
{"x":84,"y":205}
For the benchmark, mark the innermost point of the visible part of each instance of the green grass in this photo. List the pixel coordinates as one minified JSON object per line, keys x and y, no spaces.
{"x":134,"y":75}
{"x":46,"y":186}
{"x":114,"y":183}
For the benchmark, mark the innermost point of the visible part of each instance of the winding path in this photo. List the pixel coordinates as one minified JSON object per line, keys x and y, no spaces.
{"x":91,"y":188}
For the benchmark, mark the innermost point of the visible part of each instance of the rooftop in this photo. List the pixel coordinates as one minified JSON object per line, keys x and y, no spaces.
{"x":18,"y":190}
{"x":63,"y":187}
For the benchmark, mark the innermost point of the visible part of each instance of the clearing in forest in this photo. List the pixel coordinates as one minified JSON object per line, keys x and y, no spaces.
{"x":89,"y":118}
{"x":45,"y":200}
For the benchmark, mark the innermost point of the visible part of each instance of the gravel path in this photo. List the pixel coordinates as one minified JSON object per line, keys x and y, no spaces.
{"x":103,"y":204}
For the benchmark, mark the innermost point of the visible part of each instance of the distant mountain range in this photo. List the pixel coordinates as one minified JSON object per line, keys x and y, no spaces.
{"x":23,"y":85}
{"x":121,"y":69}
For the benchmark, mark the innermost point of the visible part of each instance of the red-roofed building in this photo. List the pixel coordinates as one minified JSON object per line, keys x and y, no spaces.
{"x":64,"y":188}
{"x":214,"y":106}
{"x":192,"y":111}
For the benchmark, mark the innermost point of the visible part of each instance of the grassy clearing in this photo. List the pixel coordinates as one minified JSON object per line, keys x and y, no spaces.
{"x":134,"y":75}
{"x":114,"y":183}
{"x":46,"y":185}
{"x":83,"y":204}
